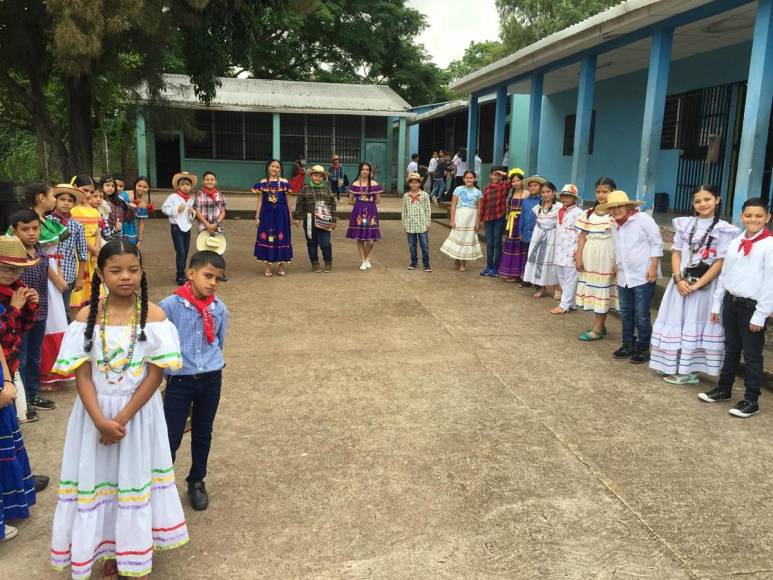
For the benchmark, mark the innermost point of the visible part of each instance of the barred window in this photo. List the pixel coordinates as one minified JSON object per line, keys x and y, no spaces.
{"x":319,"y":137}
{"x":292,"y":136}
{"x":348,"y":138}
{"x":229,"y":135}
{"x":199,"y":144}
{"x":258,"y":136}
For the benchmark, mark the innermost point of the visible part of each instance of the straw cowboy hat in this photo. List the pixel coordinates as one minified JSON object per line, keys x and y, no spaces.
{"x":212,"y":242}
{"x":70,"y":190}
{"x":570,"y":189}
{"x":616,"y":199}
{"x":12,"y":253}
{"x":414,"y":177}
{"x":319,"y":170}
{"x":184,"y":175}
{"x":535,"y":178}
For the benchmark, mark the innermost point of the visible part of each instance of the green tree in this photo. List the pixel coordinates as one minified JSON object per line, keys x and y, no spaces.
{"x":477,"y":55}
{"x":527,"y":21}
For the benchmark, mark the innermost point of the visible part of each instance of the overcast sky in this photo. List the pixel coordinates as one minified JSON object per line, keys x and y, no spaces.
{"x":452,"y":28}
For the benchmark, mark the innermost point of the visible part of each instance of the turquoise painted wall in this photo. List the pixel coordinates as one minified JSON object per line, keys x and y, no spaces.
{"x":619,"y":106}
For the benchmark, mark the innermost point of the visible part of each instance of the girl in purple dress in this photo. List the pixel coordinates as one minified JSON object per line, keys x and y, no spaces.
{"x":272,"y":217}
{"x":364,"y":195}
{"x":514,"y":250}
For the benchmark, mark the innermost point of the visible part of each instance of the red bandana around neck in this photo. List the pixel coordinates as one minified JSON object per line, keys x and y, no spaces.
{"x":626,"y":217}
{"x":202,"y":305}
{"x":185,"y":197}
{"x":746,"y":244}
{"x":62,"y":217}
{"x":414,"y":198}
{"x":562,"y":212}
{"x":211,"y":193}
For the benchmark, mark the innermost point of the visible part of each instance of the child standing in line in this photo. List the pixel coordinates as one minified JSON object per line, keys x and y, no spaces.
{"x":466,"y":203}
{"x":566,"y":248}
{"x":105,"y":189}
{"x":73,"y":250}
{"x":638,"y":249}
{"x":178,"y":207}
{"x":117,"y":497}
{"x":513,"y":260}
{"x":272,"y":218}
{"x":87,"y":215}
{"x":684,"y":341}
{"x":209,"y":205}
{"x":541,"y":265}
{"x":201,"y":320}
{"x":597,"y":287}
{"x":141,"y":195}
{"x":416,"y":217}
{"x":315,"y":212}
{"x":743,"y":301}
{"x":121,"y":218}
{"x":364,"y":195}
{"x":493,"y":208}
{"x":26,"y":227}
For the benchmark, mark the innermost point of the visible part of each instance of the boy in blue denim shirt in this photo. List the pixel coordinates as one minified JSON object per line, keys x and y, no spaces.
{"x":201,"y":320}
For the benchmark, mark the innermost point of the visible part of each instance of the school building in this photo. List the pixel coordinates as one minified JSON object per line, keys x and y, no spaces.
{"x":252,"y":120}
{"x":661,"y":95}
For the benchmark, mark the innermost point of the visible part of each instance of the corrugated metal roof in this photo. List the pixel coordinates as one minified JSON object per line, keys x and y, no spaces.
{"x":442,"y":111}
{"x":289,"y":97}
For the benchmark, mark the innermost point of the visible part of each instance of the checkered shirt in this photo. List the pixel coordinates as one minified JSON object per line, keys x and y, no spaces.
{"x":494,"y":201}
{"x":211,"y":209}
{"x":71,"y":250}
{"x":13,"y":324}
{"x":37,"y":277}
{"x":416,"y":215}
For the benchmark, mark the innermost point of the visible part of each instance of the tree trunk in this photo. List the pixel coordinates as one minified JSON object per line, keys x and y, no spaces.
{"x":81,"y":138}
{"x":41,"y":149}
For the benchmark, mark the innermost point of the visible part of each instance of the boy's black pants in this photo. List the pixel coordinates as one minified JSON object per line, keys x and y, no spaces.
{"x":736,"y":315}
{"x":202,"y":392}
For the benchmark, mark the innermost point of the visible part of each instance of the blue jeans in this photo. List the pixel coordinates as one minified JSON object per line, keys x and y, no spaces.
{"x":438,"y":187}
{"x":319,"y":240}
{"x":494,"y":231}
{"x":30,"y":351}
{"x":423,"y":239}
{"x":181,"y":241}
{"x":202,"y":393}
{"x":635,"y":304}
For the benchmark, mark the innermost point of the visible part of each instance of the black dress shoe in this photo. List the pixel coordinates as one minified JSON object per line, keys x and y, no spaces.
{"x":625,"y":351}
{"x":640,"y":357}
{"x":41,"y":482}
{"x":197,"y":494}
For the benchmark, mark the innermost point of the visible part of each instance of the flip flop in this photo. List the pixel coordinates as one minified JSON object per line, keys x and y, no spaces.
{"x":538,"y":294}
{"x":510,"y":280}
{"x":591,"y":335}
{"x":682,"y":379}
{"x":557,"y":296}
{"x":268,"y":274}
{"x":558,"y":310}
{"x":281,"y":273}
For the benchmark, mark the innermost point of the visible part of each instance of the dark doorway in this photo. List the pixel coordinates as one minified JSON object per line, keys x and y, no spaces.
{"x":167,"y":159}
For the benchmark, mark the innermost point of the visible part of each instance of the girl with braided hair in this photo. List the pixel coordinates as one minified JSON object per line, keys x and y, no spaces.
{"x":684,"y":341}
{"x":117,"y":497}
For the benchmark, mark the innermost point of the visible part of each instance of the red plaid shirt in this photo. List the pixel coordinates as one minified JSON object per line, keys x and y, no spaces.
{"x":494,"y":199}
{"x":14,"y":323}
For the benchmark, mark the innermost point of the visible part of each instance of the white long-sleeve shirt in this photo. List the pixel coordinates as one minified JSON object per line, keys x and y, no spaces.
{"x":748,"y":277}
{"x":636,"y":243}
{"x":183,"y":219}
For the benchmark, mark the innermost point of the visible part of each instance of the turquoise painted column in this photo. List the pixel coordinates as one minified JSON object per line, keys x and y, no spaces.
{"x":401,"y":155}
{"x":276,"y":134}
{"x":535,"y":119}
{"x":472,"y":131}
{"x":142,"y":146}
{"x":582,"y":125}
{"x":512,"y":146}
{"x":654,"y":107}
{"x":390,"y":144}
{"x":500,"y":112}
{"x":756,"y":117}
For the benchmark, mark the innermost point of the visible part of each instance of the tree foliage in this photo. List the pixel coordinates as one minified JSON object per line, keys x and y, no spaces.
{"x":527,"y":21}
{"x":477,"y":55}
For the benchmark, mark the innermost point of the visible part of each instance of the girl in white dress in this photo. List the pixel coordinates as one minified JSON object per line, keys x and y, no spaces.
{"x":117,"y":496}
{"x":541,"y":264}
{"x":684,"y":341}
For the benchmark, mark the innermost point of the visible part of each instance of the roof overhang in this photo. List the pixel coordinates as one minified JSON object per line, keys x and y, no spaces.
{"x":620,"y":36}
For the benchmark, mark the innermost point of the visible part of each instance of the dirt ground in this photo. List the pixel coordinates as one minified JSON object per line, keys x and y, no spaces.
{"x":398,"y":424}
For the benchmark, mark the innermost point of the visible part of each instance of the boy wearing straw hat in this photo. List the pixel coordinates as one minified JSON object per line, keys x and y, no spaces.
{"x":416,"y":217}
{"x":638,"y":249}
{"x":178,"y":207}
{"x":315,"y":211}
{"x":73,"y":251}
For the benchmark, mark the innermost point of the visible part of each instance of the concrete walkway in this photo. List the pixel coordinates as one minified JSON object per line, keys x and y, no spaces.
{"x":396,"y":424}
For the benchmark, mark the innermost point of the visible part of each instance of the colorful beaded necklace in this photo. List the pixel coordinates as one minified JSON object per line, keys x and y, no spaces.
{"x":108,"y":368}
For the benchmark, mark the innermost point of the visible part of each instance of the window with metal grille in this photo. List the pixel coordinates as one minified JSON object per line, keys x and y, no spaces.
{"x":199,"y":144}
{"x":348,"y":138}
{"x":670,"y":134}
{"x":292,"y":140}
{"x":319,"y":137}
{"x":229,"y":135}
{"x":569,"y":124}
{"x":258,"y":136}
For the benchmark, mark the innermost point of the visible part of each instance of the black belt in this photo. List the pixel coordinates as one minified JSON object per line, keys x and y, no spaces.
{"x":740,"y":301}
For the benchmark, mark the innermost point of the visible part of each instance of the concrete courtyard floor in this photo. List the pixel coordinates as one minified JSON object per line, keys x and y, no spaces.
{"x":398,"y":424}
